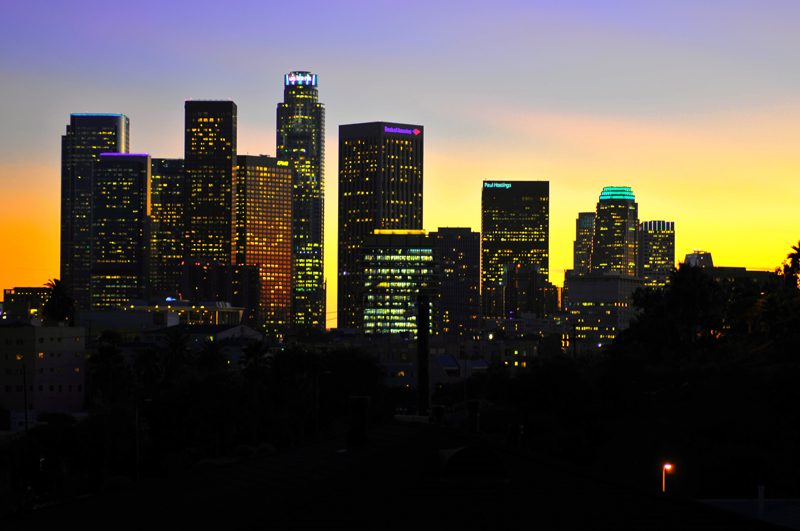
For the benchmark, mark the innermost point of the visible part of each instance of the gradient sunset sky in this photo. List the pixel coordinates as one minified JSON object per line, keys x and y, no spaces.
{"x":694,"y":104}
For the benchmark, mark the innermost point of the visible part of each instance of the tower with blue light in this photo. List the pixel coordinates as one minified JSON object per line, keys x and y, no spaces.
{"x":615,"y":245}
{"x":300,"y":139}
{"x":88,"y":135}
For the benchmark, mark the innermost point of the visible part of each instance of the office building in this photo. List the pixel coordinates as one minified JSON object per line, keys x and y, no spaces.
{"x":380,"y":188}
{"x":264,"y":233}
{"x":88,"y":135}
{"x":209,"y":162}
{"x":396,"y":266}
{"x":614,"y":246}
{"x":301,"y":140}
{"x":582,"y":247}
{"x":24,"y":303}
{"x":120,"y":246}
{"x":515,"y":223}
{"x":460,"y":282}
{"x":166,"y":226}
{"x":50,"y":360}
{"x":699,"y":258}
{"x":656,"y":252}
{"x":600,"y":306}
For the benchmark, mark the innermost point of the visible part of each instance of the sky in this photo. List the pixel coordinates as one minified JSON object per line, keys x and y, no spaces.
{"x":694,"y":104}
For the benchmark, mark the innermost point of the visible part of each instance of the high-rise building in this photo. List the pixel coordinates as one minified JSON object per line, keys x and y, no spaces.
{"x":264,"y":233}
{"x":120,"y":247}
{"x":209,"y":162}
{"x":656,"y":252}
{"x":515,"y":223}
{"x":88,"y":135}
{"x":380,"y":187}
{"x":301,"y":139}
{"x":582,"y":247}
{"x":396,"y":266}
{"x":614,"y":246}
{"x":166,"y":226}
{"x":460,"y":282}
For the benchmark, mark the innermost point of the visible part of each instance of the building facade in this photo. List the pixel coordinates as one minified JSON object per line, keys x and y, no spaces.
{"x":50,"y":360}
{"x":600,"y":306}
{"x":515,"y":226}
{"x":88,"y":135}
{"x":209,"y":162}
{"x":301,"y":140}
{"x":396,"y":266}
{"x":459,"y":252}
{"x":120,"y":247}
{"x":264,"y":233}
{"x":582,"y":247}
{"x":656,"y":252}
{"x":166,"y":226}
{"x":380,"y":188}
{"x":615,"y":242}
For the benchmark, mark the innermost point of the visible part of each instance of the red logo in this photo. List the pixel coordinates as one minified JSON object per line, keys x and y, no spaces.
{"x":416,"y":132}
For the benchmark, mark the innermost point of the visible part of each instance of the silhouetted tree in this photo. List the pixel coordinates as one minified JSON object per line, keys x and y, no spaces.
{"x":60,"y":306}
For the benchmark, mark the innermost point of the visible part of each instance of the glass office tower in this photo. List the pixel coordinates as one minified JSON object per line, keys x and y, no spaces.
{"x":209,"y":162}
{"x":166,"y":226}
{"x":301,"y":139}
{"x":120,"y":250}
{"x":380,"y":187}
{"x":614,"y":246}
{"x":88,"y":135}
{"x":656,"y":252}
{"x":515,"y":226}
{"x":582,"y":246}
{"x":264,"y":233}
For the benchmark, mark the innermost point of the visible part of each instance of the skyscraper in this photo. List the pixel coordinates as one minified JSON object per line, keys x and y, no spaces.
{"x":515,"y":225}
{"x":88,"y":135}
{"x":615,"y":225}
{"x":264,"y":233}
{"x":301,"y":139}
{"x":380,"y":187}
{"x":656,"y":253}
{"x":209,"y":162}
{"x":582,"y":247}
{"x":459,"y":282}
{"x":166,"y":226}
{"x":120,"y":250}
{"x":397,"y":265}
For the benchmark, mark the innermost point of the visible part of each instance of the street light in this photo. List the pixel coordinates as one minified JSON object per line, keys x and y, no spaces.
{"x":667,"y":466}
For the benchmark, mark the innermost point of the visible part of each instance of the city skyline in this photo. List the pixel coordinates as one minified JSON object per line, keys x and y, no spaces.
{"x":694,"y":107}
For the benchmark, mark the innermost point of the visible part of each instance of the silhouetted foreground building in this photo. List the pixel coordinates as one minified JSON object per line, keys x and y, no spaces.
{"x":50,"y":361}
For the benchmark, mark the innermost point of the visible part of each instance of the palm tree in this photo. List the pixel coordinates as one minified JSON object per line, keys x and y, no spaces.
{"x":794,"y":263}
{"x":60,"y":306}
